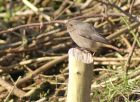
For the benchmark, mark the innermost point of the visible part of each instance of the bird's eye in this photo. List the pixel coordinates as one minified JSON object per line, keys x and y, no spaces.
{"x":71,"y":25}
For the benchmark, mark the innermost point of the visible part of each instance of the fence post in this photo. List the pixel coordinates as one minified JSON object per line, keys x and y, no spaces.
{"x":80,"y":76}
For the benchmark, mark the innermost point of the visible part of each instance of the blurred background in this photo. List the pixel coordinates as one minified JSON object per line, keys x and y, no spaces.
{"x":33,"y":52}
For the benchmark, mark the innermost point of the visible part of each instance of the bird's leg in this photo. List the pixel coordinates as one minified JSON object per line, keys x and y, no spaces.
{"x":85,"y":50}
{"x":93,"y":53}
{"x":79,"y":48}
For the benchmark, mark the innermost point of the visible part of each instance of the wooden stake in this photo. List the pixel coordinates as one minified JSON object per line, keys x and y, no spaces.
{"x":80,"y":76}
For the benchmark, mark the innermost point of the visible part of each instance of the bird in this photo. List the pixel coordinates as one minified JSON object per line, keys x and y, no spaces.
{"x":85,"y":35}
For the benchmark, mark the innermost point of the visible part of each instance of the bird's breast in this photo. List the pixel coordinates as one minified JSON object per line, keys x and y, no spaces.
{"x":84,"y":42}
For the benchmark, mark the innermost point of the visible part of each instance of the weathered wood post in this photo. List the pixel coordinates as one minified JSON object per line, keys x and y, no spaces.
{"x":80,"y":76}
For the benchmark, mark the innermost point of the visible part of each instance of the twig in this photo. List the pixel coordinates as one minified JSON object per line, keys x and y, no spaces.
{"x":24,"y":13}
{"x":86,"y":4}
{"x":61,"y":8}
{"x":126,"y":42}
{"x":41,"y":69}
{"x":57,"y":21}
{"x":113,"y":5}
{"x":131,"y":6}
{"x":32,"y":7}
{"x":62,"y":12}
{"x":35,"y":9}
{"x":12,"y":90}
{"x":32,"y":46}
{"x":19,"y":93}
{"x":123,"y":30}
{"x":130,"y":56}
{"x":31,"y":25}
{"x":97,"y":61}
{"x":99,"y":15}
{"x":117,"y":80}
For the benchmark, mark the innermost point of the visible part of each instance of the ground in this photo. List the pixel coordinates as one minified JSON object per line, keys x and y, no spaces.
{"x":34,"y":45}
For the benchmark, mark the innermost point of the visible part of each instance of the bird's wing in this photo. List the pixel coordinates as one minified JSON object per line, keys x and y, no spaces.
{"x":90,"y":33}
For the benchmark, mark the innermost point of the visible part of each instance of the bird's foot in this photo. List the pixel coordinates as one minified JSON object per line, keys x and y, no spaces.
{"x":85,"y":50}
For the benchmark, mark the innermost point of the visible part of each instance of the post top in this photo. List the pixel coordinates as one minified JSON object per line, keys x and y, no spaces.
{"x":83,"y":56}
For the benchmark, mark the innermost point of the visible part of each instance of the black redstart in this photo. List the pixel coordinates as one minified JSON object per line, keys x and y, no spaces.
{"x":85,"y":35}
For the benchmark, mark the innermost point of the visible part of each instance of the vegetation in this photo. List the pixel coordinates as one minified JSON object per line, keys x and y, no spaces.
{"x":34,"y":44}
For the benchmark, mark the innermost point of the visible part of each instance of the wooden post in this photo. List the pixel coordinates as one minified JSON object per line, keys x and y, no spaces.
{"x":80,"y":76}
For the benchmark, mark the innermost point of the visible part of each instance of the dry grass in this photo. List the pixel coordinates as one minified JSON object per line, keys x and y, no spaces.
{"x":34,"y":45}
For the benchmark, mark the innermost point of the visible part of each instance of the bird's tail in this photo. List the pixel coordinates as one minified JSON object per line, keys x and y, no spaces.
{"x":113,"y":47}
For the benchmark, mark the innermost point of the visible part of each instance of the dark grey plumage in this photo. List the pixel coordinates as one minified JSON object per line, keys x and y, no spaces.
{"x":85,"y":35}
